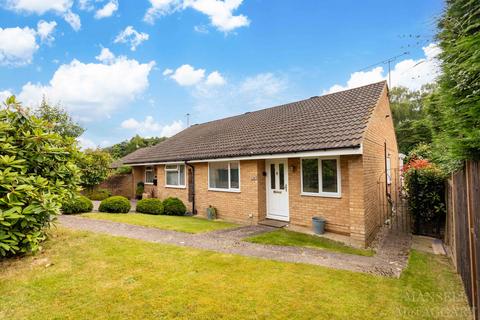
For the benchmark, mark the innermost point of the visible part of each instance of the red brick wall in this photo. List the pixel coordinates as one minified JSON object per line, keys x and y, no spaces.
{"x":380,"y":130}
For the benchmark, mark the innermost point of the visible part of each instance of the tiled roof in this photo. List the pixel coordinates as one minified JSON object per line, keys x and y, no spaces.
{"x":331,"y":121}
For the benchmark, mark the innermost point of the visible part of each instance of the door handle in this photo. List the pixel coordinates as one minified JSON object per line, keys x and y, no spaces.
{"x":276,"y":191}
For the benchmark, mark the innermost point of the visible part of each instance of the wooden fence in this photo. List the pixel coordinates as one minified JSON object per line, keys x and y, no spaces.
{"x":462,"y":235}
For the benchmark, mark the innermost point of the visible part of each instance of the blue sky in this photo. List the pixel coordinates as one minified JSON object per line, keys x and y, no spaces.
{"x":126,"y":67}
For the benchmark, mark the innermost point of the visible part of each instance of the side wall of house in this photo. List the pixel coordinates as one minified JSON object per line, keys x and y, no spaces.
{"x":344,"y":214}
{"x":380,"y":132}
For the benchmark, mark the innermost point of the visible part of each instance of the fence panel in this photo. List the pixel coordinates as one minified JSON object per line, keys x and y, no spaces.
{"x":463,"y":229}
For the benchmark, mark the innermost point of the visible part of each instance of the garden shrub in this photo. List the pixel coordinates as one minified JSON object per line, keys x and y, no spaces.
{"x":124,"y":170}
{"x":150,"y":206}
{"x":37,"y":172}
{"x":98,"y":194}
{"x":115,"y":204}
{"x":139,"y":190}
{"x":79,"y":204}
{"x":174,"y":207}
{"x":425,"y":191}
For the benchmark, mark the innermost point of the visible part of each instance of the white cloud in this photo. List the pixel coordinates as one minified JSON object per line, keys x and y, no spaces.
{"x":167,"y":72}
{"x":186,"y":75}
{"x":107,"y":10}
{"x":408,"y":73}
{"x":73,"y":20}
{"x":152,"y":128}
{"x":132,"y":37}
{"x":92,"y":90}
{"x":252,"y":93}
{"x":17,"y":46}
{"x":215,"y":79}
{"x":106,"y":56}
{"x":161,"y":7}
{"x":61,"y":7}
{"x":45,"y":30}
{"x":4,"y":95}
{"x":86,"y":143}
{"x":40,"y":6}
{"x":220,"y":12}
{"x":85,"y":5}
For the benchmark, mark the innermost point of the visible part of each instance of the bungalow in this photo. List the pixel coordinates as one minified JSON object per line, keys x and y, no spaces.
{"x":323,"y":156}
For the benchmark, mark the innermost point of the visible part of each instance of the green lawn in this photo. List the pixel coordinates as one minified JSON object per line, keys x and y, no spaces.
{"x":81,"y":275}
{"x":183,"y":224}
{"x":283,"y":237}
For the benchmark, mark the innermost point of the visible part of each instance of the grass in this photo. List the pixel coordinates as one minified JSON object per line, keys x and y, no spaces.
{"x":183,"y":224}
{"x":283,"y":237}
{"x":81,"y":275}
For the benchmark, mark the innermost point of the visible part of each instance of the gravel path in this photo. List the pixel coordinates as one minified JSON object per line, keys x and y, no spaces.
{"x":390,"y":259}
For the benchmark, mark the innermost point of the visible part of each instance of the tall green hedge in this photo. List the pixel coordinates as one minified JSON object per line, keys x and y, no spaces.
{"x":37,"y":172}
{"x":425,"y":189}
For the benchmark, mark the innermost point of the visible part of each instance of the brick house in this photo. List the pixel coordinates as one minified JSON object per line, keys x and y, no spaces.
{"x":322,"y":156}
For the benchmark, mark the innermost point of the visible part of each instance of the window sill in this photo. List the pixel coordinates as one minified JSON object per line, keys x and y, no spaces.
{"x":224,"y":190}
{"x":175,"y":187}
{"x":148,"y":183}
{"x":322,"y":195}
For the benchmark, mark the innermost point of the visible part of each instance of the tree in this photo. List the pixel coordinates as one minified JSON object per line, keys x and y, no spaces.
{"x":123,"y":148}
{"x":410,"y":116}
{"x":60,"y":120}
{"x":458,"y":97}
{"x":37,"y":172}
{"x":94,"y":166}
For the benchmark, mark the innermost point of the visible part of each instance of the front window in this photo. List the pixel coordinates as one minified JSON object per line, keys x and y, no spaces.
{"x":321,"y":177}
{"x":175,"y":175}
{"x":224,"y":176}
{"x":149,"y":174}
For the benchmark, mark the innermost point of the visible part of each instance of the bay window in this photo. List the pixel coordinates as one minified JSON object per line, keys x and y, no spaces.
{"x":321,"y":176}
{"x":175,"y":175}
{"x":224,"y":176}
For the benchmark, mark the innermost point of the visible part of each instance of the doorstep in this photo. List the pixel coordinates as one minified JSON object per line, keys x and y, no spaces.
{"x":273,"y":223}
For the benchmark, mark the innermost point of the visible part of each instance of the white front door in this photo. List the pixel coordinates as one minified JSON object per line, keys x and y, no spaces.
{"x":277,"y":189}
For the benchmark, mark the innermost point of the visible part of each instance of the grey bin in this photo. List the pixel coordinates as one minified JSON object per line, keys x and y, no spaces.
{"x":318,"y":225}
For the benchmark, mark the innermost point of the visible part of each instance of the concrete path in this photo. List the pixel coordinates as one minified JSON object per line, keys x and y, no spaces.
{"x":390,"y":260}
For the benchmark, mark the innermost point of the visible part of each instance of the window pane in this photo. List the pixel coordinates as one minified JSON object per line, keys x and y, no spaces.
{"x":171,"y":167}
{"x":329,"y":176}
{"x":234,"y":176}
{"x":181,"y":174}
{"x":282,"y":176}
{"x":149,"y":175}
{"x":219,"y":175}
{"x":310,"y":175}
{"x":272,"y":176}
{"x":172,"y":178}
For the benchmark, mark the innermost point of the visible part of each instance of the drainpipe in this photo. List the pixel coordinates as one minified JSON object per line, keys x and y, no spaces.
{"x":194,"y":211}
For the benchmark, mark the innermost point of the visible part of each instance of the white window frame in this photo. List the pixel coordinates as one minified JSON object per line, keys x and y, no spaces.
{"x":153,"y":172}
{"x":230,"y":189}
{"x":177,"y":169}
{"x":389,"y":169}
{"x":320,"y":193}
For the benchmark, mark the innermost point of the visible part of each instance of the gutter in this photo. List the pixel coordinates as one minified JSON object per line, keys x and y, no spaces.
{"x":194,"y":211}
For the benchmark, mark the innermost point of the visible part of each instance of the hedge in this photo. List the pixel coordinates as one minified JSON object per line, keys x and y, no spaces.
{"x":79,"y":204}
{"x":115,"y":204}
{"x":174,"y":207}
{"x":150,"y":206}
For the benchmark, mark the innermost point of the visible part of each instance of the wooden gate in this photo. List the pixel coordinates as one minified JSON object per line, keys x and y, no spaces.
{"x":392,"y":202}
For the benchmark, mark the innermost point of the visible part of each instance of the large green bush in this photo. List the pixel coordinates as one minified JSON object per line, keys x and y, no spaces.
{"x":78,"y":204}
{"x":150,"y":206}
{"x":425,"y":190}
{"x":37,"y":172}
{"x":115,"y":204}
{"x":174,"y":207}
{"x":98,"y":194}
